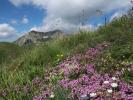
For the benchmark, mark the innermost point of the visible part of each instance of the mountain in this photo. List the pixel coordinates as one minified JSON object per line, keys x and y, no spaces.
{"x":38,"y":37}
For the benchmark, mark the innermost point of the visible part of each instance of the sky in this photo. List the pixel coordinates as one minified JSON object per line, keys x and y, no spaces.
{"x":17,"y":17}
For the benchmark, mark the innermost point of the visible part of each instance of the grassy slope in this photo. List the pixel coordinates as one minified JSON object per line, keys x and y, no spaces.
{"x":33,"y":63}
{"x":9,"y":51}
{"x":120,"y":35}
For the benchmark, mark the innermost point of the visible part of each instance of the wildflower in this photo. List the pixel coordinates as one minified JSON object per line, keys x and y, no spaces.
{"x":90,"y":68}
{"x":109,"y":90}
{"x":105,"y":45}
{"x":61,"y":55}
{"x":67,"y":65}
{"x":130,"y":68}
{"x":84,"y":97}
{"x":4,"y":93}
{"x":123,"y":69}
{"x":38,"y":98}
{"x":114,"y":85}
{"x":84,"y":82}
{"x":118,"y":73}
{"x":106,"y":82}
{"x":93,"y":95}
{"x":52,"y":96}
{"x":114,"y":78}
{"x":26,"y":89}
{"x":37,"y":81}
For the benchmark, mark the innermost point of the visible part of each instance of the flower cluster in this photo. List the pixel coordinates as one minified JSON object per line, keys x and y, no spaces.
{"x":97,"y":87}
{"x":78,"y":63}
{"x":72,"y":68}
{"x":89,"y":84}
{"x":79,"y":75}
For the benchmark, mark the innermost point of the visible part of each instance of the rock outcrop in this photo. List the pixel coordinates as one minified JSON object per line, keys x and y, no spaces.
{"x":35,"y":37}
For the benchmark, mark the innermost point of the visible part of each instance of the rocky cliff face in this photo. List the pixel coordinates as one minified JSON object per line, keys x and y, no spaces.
{"x":38,"y":37}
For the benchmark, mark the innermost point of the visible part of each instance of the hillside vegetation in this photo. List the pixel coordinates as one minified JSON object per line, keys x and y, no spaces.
{"x":74,"y":67}
{"x":9,"y":51}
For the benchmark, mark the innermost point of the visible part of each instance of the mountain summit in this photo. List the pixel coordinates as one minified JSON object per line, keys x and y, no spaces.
{"x":38,"y":37}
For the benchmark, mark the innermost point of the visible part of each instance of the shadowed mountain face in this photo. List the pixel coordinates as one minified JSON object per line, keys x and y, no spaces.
{"x":38,"y":37}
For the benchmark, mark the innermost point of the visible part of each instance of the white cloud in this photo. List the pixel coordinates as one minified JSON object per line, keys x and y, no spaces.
{"x":25,"y":20}
{"x":20,"y":2}
{"x":117,"y":15}
{"x":6,"y":31}
{"x":68,"y":14}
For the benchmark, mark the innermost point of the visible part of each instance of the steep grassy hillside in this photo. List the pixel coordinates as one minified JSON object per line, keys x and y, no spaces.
{"x":42,"y":73}
{"x":120,"y":35}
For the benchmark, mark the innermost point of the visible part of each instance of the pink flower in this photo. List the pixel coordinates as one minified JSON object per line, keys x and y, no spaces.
{"x":90,"y":68}
{"x":130,"y":68}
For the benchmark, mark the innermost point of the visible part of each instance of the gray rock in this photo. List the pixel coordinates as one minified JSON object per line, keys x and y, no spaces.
{"x":35,"y":37}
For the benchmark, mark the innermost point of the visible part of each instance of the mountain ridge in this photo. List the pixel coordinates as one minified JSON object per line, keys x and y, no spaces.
{"x":34,"y":37}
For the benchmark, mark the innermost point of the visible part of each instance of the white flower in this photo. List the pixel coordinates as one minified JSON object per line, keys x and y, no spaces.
{"x":114,"y":78}
{"x":129,"y":69}
{"x":84,"y":97}
{"x":67,"y":65}
{"x":114,"y":85}
{"x":52,"y":96}
{"x":109,"y":90}
{"x":61,"y":55}
{"x":93,"y":94}
{"x":106,"y":82}
{"x":123,"y":69}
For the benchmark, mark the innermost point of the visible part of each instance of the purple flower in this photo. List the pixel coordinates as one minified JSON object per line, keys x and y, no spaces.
{"x":37,"y":81}
{"x":90,"y":68}
{"x":26,"y":89}
{"x":130,"y":68}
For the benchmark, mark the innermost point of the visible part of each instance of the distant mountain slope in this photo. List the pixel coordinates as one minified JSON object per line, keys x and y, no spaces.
{"x":37,"y":37}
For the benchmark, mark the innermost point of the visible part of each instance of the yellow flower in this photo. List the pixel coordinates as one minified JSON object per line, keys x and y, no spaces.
{"x":61,"y":55}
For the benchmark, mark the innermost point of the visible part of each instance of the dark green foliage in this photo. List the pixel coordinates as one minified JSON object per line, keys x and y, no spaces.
{"x":128,"y":76}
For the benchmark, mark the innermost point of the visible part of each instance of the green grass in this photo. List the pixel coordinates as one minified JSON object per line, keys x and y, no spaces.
{"x":120,"y":35}
{"x":32,"y":62}
{"x":9,"y":51}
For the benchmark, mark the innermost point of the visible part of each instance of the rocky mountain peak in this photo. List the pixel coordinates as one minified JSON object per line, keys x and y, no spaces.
{"x":38,"y":37}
